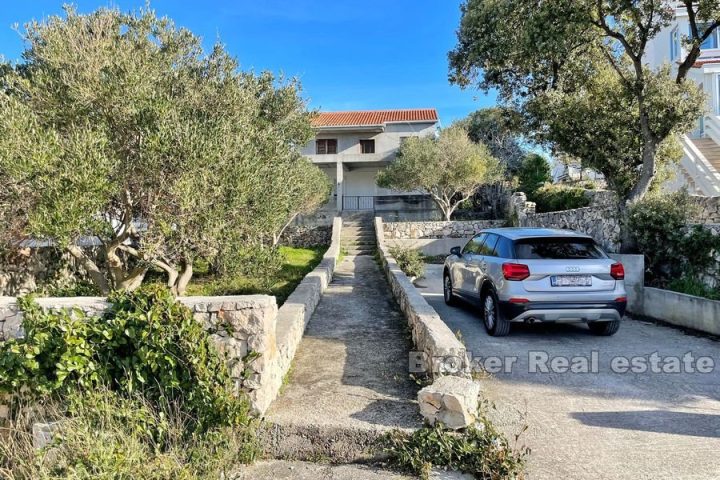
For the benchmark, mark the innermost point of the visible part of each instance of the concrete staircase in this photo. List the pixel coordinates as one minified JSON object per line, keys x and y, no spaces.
{"x":358,"y":233}
{"x":710,"y":150}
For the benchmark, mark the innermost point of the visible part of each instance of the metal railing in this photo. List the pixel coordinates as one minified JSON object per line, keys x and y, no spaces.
{"x":352,"y":202}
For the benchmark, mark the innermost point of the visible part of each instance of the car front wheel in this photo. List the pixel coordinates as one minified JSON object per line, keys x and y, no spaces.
{"x":448,"y":290}
{"x":495,"y":323}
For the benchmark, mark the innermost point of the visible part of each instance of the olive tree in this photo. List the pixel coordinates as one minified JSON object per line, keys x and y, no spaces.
{"x":449,"y":168}
{"x":577,"y":72}
{"x":120,"y":130}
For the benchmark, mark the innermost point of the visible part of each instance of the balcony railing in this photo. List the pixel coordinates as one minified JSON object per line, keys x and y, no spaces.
{"x":353,"y":157}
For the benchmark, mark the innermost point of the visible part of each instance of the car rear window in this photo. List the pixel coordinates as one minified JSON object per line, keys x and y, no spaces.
{"x":557,"y":248}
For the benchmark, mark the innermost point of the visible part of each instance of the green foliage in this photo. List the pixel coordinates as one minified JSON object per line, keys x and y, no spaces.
{"x":693,"y":286}
{"x":449,"y":168}
{"x":278,"y":279}
{"x":495,"y":128}
{"x":552,"y":198}
{"x":410,"y":261}
{"x":120,"y":126}
{"x":146,"y":342}
{"x":480,"y":451}
{"x":534,"y":173}
{"x":658,"y":226}
{"x":577,"y":74}
{"x":102,"y":434}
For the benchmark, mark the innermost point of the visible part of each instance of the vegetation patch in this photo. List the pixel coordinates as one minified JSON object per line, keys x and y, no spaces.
{"x":280,"y":281}
{"x":479,"y":450}
{"x":553,"y":198}
{"x":141,"y":387}
{"x":410,"y":261}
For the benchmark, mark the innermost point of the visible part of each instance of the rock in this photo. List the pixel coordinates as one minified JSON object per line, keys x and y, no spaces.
{"x":451,"y":400}
{"x":43,"y":433}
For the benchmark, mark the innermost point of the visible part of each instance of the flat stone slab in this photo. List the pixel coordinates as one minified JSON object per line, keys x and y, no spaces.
{"x":278,"y":469}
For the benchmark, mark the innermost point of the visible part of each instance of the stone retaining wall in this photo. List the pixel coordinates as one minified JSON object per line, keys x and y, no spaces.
{"x":24,"y":270}
{"x":452,"y":229}
{"x":430,"y":334}
{"x":306,"y":236}
{"x":708,"y":209}
{"x":601,"y":223}
{"x":237,"y":326}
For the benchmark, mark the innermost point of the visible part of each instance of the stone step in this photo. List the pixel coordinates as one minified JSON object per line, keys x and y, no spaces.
{"x":338,"y":445}
{"x":358,"y":244}
{"x":365,"y":251}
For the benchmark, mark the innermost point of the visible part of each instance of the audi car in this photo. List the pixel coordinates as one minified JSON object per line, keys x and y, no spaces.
{"x":536,"y":275}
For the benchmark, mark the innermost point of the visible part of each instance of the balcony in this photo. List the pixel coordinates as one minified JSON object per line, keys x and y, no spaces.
{"x":379,"y":158}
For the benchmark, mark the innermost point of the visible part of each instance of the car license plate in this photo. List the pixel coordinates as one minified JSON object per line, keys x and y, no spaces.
{"x":571,"y":281}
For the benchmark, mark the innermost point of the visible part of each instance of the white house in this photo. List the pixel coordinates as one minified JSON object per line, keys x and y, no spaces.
{"x":700,"y":166}
{"x":351,"y":147}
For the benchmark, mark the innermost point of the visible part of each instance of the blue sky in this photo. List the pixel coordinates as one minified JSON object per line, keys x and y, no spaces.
{"x":348,"y":54}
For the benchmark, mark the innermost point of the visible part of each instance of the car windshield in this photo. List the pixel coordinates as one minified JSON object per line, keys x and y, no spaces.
{"x":557,"y":248}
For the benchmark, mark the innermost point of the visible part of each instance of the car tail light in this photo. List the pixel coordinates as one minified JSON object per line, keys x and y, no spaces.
{"x":617,"y":271}
{"x":515,"y":271}
{"x":621,"y":299}
{"x":519,"y":300}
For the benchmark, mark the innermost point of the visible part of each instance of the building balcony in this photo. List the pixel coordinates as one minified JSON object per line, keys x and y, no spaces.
{"x":379,"y":158}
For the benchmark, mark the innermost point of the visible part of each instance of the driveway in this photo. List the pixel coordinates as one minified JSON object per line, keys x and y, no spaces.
{"x":604,"y":425}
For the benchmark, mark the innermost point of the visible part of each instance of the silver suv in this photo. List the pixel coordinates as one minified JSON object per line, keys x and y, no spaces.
{"x":537,"y":275}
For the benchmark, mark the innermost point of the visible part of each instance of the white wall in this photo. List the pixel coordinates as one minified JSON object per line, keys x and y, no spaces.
{"x":385,"y":142}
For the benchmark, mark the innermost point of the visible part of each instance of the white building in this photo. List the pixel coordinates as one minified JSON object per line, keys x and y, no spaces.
{"x":352,"y":147}
{"x":700,"y":166}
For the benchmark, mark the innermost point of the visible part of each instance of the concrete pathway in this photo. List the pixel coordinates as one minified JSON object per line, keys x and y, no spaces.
{"x":350,"y":372}
{"x":599,"y":425}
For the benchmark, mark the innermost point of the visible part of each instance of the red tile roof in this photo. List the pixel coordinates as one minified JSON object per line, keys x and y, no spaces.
{"x":703,"y":61}
{"x":373,"y":117}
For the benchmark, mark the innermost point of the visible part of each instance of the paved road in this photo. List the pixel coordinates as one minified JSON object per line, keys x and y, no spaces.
{"x":602,"y":425}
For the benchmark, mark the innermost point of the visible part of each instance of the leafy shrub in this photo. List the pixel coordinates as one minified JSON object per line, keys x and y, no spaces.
{"x":553,"y":198}
{"x":103,"y":434}
{"x":480,"y":451}
{"x":410,"y":261}
{"x":146,"y":342}
{"x":693,"y":286}
{"x":657,"y":226}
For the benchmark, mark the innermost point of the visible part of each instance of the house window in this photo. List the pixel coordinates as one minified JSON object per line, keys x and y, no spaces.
{"x":712,"y":40}
{"x":674,"y":44}
{"x":327,"y":146}
{"x":367,"y":146}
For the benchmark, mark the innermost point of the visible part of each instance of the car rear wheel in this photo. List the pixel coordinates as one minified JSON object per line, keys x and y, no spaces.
{"x":448,"y":291}
{"x":604,"y":329}
{"x":495,"y":324}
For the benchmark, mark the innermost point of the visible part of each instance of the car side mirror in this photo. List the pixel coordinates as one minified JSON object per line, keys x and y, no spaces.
{"x":455,"y":251}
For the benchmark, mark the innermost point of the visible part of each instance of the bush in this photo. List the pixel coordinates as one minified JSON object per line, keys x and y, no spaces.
{"x":658,"y":227}
{"x":102,"y":434}
{"x":410,"y":261}
{"x":145,"y":343}
{"x":481,"y":451}
{"x":553,"y":198}
{"x":693,"y":286}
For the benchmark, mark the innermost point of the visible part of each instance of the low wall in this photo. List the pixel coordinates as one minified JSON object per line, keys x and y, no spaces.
{"x":428,"y":246}
{"x":237,"y":326}
{"x":427,"y":230}
{"x":682,"y":310}
{"x":600,"y":222}
{"x":430,"y":334}
{"x":306,"y":235}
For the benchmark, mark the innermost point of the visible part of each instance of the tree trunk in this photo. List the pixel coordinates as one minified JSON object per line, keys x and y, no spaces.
{"x":97,"y":276}
{"x":184,"y":277}
{"x":132,"y":280}
{"x":646,"y":174}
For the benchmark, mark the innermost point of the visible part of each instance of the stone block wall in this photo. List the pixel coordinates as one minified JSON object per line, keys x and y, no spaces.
{"x":306,"y":236}
{"x":452,"y":229}
{"x":24,"y":270}
{"x":601,"y":223}
{"x":237,"y":326}
{"x":708,"y":209}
